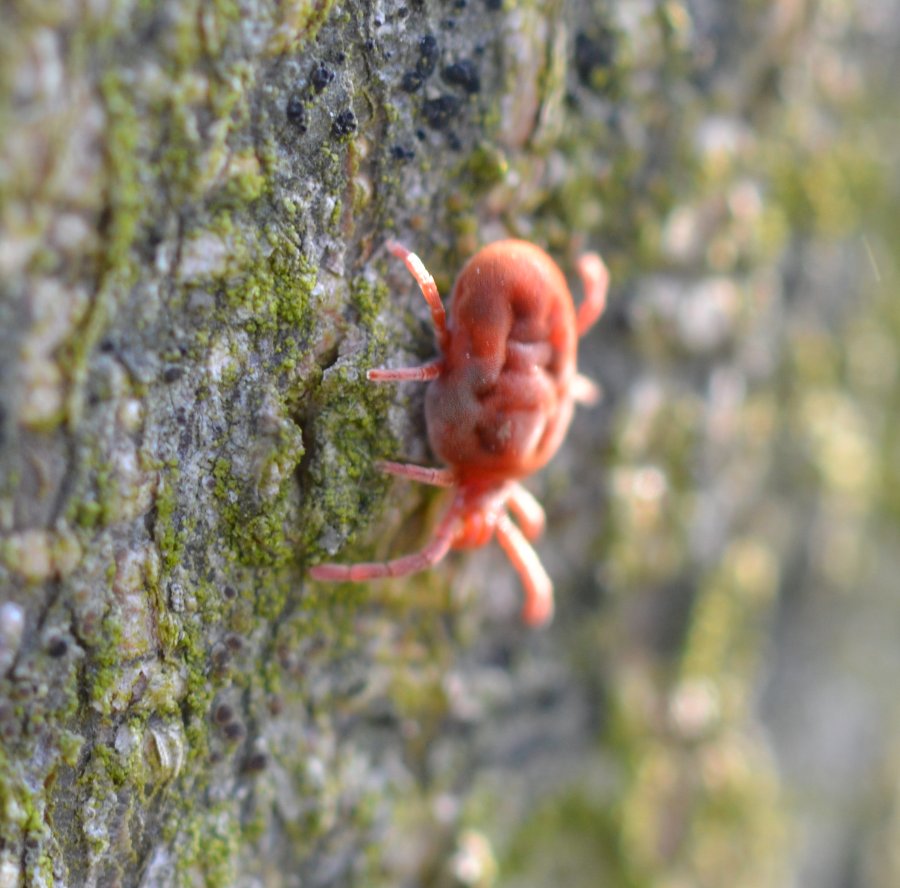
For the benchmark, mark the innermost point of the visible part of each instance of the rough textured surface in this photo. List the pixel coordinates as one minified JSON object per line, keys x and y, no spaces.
{"x":193,"y":199}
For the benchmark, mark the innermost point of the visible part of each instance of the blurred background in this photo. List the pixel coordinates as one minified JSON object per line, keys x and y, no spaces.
{"x":829,"y":692}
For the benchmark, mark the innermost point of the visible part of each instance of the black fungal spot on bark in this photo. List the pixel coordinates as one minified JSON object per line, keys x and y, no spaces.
{"x":320,"y":77}
{"x":223,"y":714}
{"x":57,"y":647}
{"x":411,"y":81}
{"x":440,"y":112}
{"x":256,"y":762}
{"x":233,"y":642}
{"x":344,"y":123}
{"x":234,"y":731}
{"x":428,"y":56}
{"x":463,"y":73}
{"x":594,"y":54}
{"x":403,"y":153}
{"x":172,"y":374}
{"x":295,"y":112}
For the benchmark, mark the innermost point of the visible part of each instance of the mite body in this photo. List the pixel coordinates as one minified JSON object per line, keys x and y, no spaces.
{"x":500,"y":400}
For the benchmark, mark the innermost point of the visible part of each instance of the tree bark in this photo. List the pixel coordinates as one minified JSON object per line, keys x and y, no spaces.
{"x":195,"y":198}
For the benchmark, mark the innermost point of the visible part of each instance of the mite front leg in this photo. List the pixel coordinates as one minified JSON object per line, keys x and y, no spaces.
{"x":538,"y":607}
{"x":428,"y":287}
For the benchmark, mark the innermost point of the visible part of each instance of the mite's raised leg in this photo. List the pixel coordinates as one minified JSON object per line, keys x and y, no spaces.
{"x":595,"y":278}
{"x":428,"y":287}
{"x":433,"y":369}
{"x":400,"y":567}
{"x":538,"y":607}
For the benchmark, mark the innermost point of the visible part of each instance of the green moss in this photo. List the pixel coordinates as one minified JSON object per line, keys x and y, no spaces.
{"x":275,"y":292}
{"x":352,"y":424}
{"x":104,"y":504}
{"x":300,"y":22}
{"x":485,"y":167}
{"x":572,"y":839}
{"x":369,"y":299}
{"x":196,"y":733}
{"x":105,"y":664}
{"x":125,"y":198}
{"x":168,"y":537}
{"x":70,"y":745}
{"x":168,"y":627}
{"x":112,"y":766}
{"x":211,"y":842}
{"x":256,"y":511}
{"x":16,"y":802}
{"x":246,"y":182}
{"x":334,"y":219}
{"x":829,"y":193}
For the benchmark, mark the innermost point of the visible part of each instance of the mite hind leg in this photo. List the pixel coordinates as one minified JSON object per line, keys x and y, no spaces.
{"x":538,"y":608}
{"x":528,"y":511}
{"x":426,"y":557}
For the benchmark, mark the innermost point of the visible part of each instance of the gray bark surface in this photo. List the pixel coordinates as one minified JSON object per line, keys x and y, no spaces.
{"x":194,"y":199}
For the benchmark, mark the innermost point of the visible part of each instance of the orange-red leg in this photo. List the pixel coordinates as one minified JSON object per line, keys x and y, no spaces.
{"x":538,"y":607}
{"x":585,"y":391}
{"x":399,"y":567}
{"x":428,"y":287}
{"x":595,"y":277}
{"x":425,"y":373}
{"x":528,"y":511}
{"x":422,"y":474}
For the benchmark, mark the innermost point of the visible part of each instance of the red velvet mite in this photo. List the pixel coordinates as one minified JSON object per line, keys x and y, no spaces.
{"x":500,"y":402}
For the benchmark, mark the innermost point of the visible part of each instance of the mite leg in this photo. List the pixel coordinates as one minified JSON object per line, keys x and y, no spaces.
{"x":400,"y":567}
{"x":422,"y":474}
{"x":528,"y":511}
{"x":595,"y":278}
{"x":538,"y":607}
{"x":425,"y":373}
{"x":428,"y":287}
